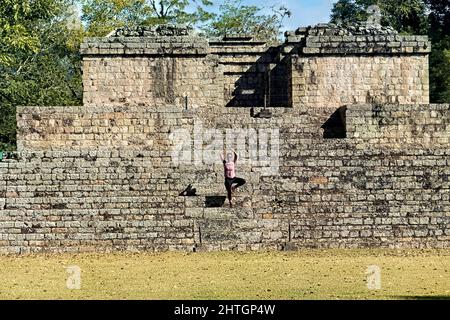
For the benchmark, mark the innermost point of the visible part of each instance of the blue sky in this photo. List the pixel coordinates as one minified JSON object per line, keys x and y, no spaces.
{"x":304,"y":12}
{"x":308,"y":12}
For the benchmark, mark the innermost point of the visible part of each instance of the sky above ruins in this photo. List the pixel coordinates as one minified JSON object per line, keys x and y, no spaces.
{"x":304,"y":12}
{"x":308,"y":12}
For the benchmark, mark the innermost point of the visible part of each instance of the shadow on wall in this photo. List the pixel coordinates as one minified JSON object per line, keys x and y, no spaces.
{"x":189,"y":191}
{"x":214,"y":201}
{"x":264,"y":83}
{"x":335,"y":126}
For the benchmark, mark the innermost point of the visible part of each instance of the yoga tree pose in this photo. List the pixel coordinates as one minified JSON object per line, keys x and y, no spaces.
{"x":231,"y":181}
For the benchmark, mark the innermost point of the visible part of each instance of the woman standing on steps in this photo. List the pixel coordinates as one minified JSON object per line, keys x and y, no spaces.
{"x":231,"y":181}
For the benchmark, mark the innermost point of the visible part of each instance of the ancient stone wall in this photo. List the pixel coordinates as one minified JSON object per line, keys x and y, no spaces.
{"x":133,"y":81}
{"x":338,"y":81}
{"x":323,"y":192}
{"x":325,"y":65}
{"x":253,"y":72}
{"x":399,"y":126}
{"x":332,"y":66}
{"x":160,"y":102}
{"x":159,"y":66}
{"x":88,"y":128}
{"x":237,"y":71}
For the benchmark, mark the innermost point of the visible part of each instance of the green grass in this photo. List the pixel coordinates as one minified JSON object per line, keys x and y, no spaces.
{"x":309,"y":274}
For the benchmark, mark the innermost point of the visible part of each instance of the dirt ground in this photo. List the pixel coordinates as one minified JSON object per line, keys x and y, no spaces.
{"x":308,"y":274}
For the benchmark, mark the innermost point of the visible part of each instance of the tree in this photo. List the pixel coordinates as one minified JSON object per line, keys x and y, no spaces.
{"x":439,"y":19}
{"x":103,"y":16}
{"x":40,"y":62}
{"x":236,"y":18}
{"x":175,"y":11}
{"x":349,"y":11}
{"x":440,"y":72}
{"x":408,"y":16}
{"x":16,"y":36}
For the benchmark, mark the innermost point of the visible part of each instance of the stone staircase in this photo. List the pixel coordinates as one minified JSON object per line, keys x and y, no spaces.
{"x":217,"y":226}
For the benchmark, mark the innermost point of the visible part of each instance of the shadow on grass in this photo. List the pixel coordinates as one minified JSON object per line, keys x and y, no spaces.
{"x":423,"y":297}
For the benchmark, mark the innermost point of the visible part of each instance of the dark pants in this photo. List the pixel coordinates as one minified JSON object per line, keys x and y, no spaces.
{"x":229,"y":182}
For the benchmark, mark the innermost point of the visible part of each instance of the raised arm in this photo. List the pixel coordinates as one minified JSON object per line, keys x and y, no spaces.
{"x":235,"y":155}
{"x":222,"y":157}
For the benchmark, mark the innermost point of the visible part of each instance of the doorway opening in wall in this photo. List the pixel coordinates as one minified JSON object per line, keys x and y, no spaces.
{"x":335,"y":126}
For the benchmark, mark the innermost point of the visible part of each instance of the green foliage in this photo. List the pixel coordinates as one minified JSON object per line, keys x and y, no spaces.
{"x":349,"y":11}
{"x":406,"y":16}
{"x":16,"y":35}
{"x":7,"y":128}
{"x":43,"y":68}
{"x":440,"y":72}
{"x":236,"y":18}
{"x":439,"y":17}
{"x":176,"y":11}
{"x":103,"y":16}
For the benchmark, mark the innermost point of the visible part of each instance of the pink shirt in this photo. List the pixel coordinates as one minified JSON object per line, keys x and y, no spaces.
{"x":229,"y":168}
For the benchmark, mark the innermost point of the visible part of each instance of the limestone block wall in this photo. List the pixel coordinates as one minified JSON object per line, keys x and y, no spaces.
{"x":338,"y":81}
{"x":324,"y":192}
{"x":332,"y":66}
{"x":81,"y":128}
{"x":160,"y":102}
{"x":238,"y":71}
{"x":320,"y":66}
{"x":157,"y":80}
{"x":160,"y":65}
{"x":392,"y":126}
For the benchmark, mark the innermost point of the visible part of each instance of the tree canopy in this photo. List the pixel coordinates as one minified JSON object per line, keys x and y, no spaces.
{"x":236,"y":18}
{"x":39,"y":60}
{"x":17,"y":21}
{"x":439,"y":32}
{"x":407,"y":16}
{"x":103,"y":16}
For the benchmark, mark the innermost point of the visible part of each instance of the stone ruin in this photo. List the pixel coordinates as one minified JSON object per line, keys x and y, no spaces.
{"x":337,"y":141}
{"x":325,"y":65}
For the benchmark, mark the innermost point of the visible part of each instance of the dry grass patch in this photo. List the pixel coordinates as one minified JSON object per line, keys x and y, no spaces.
{"x":309,"y":274}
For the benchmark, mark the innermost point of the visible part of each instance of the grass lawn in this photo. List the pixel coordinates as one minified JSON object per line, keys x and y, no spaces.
{"x":308,"y":274}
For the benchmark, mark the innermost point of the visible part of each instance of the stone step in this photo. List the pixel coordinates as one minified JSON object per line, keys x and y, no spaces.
{"x":219,"y":189}
{"x":222,"y":213}
{"x":218,"y":201}
{"x":210,"y":230}
{"x":245,"y":59}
